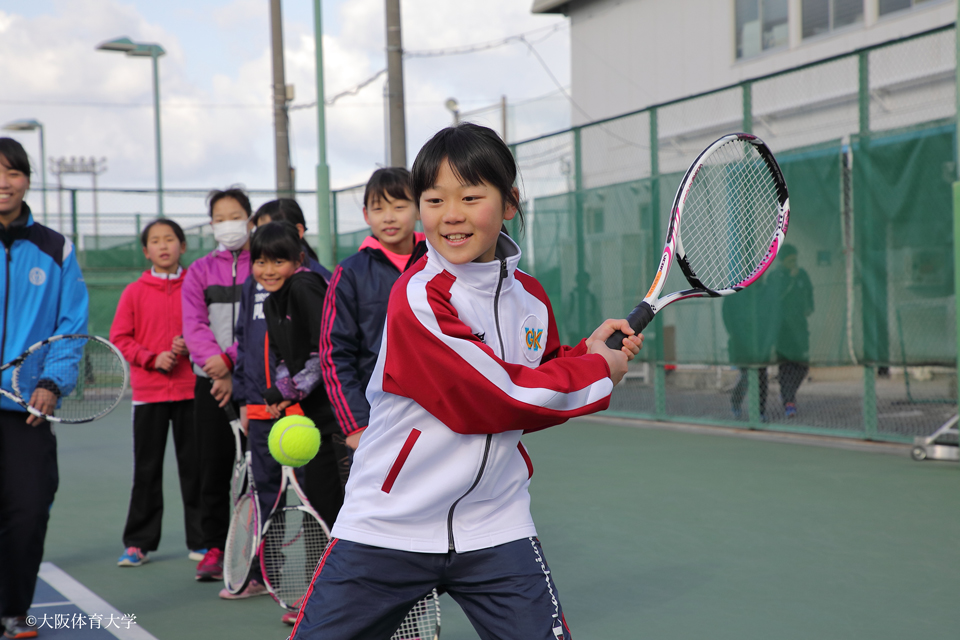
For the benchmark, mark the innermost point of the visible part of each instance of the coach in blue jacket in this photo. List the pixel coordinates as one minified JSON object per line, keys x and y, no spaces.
{"x":42,"y":294}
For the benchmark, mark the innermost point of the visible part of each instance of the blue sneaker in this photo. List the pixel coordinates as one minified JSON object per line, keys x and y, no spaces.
{"x":197,"y":554}
{"x":790,"y":410}
{"x":132,"y":557}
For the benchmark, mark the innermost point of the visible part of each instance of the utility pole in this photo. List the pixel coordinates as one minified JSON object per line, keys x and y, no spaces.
{"x":284,"y":174}
{"x":395,"y":111}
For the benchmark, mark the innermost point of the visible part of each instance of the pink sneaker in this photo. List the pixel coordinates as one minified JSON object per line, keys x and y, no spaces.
{"x":254,"y":588}
{"x":211,"y":567}
{"x":290,"y":618}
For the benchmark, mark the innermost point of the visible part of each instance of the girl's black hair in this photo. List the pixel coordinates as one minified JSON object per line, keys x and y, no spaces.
{"x":475,"y":153}
{"x":284,"y":209}
{"x":392,"y":181}
{"x":235,"y":191}
{"x":276,"y":241}
{"x":14,"y":155}
{"x":177,"y":230}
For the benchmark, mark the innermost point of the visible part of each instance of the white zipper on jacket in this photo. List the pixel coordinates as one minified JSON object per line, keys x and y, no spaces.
{"x":451,"y":546}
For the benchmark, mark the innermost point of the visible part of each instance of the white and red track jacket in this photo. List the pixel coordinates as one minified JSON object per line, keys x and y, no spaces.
{"x":470,"y":360}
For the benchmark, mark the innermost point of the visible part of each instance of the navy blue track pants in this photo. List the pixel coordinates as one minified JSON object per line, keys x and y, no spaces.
{"x":363,"y":593}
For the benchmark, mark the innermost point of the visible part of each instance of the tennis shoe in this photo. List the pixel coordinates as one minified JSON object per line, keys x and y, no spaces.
{"x":197,"y":554}
{"x":133,"y":557}
{"x":210,"y":568}
{"x":790,"y":410}
{"x":254,"y":588}
{"x":290,"y":618}
{"x":17,"y":627}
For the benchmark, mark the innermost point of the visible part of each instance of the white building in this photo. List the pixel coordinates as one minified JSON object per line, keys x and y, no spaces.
{"x":630,"y":54}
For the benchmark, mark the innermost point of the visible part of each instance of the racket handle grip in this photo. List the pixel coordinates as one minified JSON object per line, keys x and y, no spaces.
{"x":639,"y":318}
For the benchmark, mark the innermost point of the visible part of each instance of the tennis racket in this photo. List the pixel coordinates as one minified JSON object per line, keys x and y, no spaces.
{"x":243,"y":536}
{"x":294,"y":539}
{"x":423,"y":621}
{"x":239,"y":478}
{"x":728,"y":222}
{"x":87,"y":374}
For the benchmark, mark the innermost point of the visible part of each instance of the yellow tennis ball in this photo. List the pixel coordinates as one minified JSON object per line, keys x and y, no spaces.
{"x":294,"y":441}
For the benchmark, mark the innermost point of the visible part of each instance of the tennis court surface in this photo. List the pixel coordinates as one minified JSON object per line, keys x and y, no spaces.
{"x":651,"y":533}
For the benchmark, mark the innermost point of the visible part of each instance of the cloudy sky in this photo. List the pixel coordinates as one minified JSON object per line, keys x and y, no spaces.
{"x":216,"y":82}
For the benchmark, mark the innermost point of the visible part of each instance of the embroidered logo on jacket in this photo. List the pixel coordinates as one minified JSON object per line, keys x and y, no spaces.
{"x":37,"y":276}
{"x":533,"y":338}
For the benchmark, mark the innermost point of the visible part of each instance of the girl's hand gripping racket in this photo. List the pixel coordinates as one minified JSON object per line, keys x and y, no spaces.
{"x":728,"y":222}
{"x":239,"y":478}
{"x":84,"y":376}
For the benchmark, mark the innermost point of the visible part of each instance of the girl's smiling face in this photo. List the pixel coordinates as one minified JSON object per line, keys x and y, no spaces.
{"x":463,"y":221}
{"x":271,"y":273}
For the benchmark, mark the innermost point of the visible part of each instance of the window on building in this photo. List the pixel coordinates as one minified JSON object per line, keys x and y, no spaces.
{"x":761,"y":25}
{"x":823,"y":16}
{"x":889,"y":6}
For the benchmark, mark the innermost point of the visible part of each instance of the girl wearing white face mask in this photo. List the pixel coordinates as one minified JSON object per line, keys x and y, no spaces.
{"x":211,"y":301}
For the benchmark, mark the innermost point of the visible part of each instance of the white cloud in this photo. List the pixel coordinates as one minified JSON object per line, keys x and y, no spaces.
{"x":51,"y":59}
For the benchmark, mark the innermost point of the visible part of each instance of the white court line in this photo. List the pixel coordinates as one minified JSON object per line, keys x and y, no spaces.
{"x":89,"y":602}
{"x":37,"y":605}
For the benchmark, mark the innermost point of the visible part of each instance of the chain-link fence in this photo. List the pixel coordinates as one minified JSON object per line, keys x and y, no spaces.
{"x":866,"y":142}
{"x":863,"y":342}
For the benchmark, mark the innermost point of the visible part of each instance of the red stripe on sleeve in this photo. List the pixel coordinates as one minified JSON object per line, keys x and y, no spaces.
{"x":332,"y":383}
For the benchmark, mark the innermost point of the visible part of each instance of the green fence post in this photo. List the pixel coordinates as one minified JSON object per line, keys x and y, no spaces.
{"x":747,"y":107}
{"x":578,"y":230}
{"x":659,"y":373}
{"x":863,"y":93}
{"x":335,"y":231}
{"x":73,"y":220}
{"x":753,"y":397}
{"x":870,"y":402}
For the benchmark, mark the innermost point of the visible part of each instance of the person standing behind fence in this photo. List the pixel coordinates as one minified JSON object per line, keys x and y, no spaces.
{"x":792,"y":292}
{"x":43,"y":295}
{"x":211,"y":300}
{"x":750,"y":337}
{"x":355,"y":307}
{"x":147,"y":328}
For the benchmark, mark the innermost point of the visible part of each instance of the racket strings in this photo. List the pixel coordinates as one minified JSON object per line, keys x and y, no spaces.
{"x":422,"y":622}
{"x":88,"y":375}
{"x":293,"y":543}
{"x":730,"y":215}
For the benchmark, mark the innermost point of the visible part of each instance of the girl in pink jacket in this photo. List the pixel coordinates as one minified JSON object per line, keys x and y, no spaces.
{"x":147,"y":328}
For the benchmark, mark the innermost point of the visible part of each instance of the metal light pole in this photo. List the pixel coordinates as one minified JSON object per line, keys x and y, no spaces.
{"x":326,"y":235}
{"x":453,"y":107}
{"x":396,"y":118}
{"x":33,"y":125}
{"x":152,"y":51}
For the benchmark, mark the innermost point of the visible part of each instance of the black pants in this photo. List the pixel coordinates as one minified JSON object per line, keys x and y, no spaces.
{"x":216,"y":450}
{"x":740,"y":390}
{"x":28,"y":482}
{"x":150,"y":425}
{"x":791,"y":376}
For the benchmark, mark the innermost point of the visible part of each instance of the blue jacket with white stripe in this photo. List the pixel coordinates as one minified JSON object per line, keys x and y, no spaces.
{"x":42,"y":293}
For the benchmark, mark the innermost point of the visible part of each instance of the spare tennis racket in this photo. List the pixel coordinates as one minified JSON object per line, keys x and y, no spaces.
{"x":294,"y":539}
{"x":239,"y":479}
{"x":728,"y":222}
{"x":87,"y":375}
{"x":423,"y":621}
{"x":243,"y":537}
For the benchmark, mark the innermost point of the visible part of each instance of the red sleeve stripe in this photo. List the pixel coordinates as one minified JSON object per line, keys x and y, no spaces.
{"x":334,"y":390}
{"x":562,"y":391}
